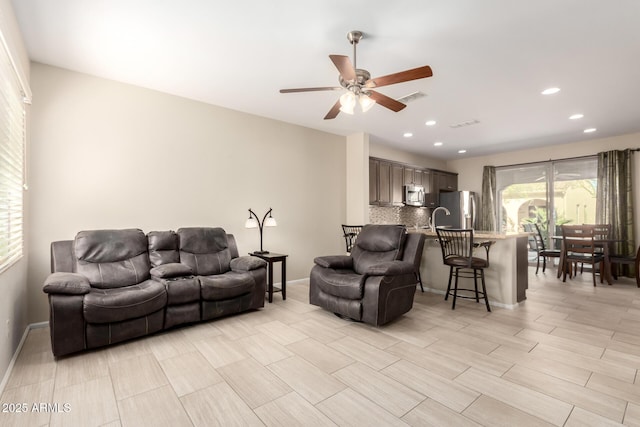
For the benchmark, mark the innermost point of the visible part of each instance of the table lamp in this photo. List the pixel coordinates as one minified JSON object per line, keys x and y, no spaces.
{"x":254,"y":222}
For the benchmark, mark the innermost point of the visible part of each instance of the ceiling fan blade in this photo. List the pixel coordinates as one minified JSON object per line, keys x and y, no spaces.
{"x":343,"y":64}
{"x":403,"y":76}
{"x":385,"y":101}
{"x":309,"y":89}
{"x":334,"y":111}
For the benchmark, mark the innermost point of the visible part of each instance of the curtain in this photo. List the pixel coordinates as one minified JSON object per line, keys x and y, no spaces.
{"x":614,"y":199}
{"x":488,"y":211}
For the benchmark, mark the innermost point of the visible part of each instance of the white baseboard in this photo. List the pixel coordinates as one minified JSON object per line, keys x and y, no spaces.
{"x":293,"y":282}
{"x":7,"y":374}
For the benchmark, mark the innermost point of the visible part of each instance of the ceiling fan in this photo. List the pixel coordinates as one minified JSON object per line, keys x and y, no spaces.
{"x":359,"y":83}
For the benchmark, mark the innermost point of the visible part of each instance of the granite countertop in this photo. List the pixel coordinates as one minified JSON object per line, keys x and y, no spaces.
{"x":477,"y":234}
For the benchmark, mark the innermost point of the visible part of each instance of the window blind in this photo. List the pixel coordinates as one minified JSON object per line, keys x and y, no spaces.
{"x":12,"y":156}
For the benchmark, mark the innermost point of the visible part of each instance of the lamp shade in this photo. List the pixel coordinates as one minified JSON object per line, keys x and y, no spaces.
{"x":270,"y":222}
{"x":366,"y":103}
{"x":347,"y":102}
{"x":251,"y":223}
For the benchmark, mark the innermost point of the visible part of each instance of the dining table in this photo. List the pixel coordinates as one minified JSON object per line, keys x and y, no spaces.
{"x":604,"y":243}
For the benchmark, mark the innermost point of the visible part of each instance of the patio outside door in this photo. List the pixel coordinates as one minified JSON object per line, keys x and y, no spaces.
{"x":548,"y":193}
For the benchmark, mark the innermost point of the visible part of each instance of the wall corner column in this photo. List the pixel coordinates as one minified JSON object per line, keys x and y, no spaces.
{"x":357,"y":193}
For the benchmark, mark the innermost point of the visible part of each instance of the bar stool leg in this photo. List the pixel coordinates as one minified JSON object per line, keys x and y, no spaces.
{"x":446,"y":296}
{"x":475,"y":283}
{"x":455,"y":290}
{"x":484,"y":289}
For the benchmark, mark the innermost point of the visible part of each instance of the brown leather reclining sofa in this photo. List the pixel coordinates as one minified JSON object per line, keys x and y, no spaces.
{"x":109,"y":286}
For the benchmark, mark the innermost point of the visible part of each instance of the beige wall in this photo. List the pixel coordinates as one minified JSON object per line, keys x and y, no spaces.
{"x":110,"y":155}
{"x":13,"y":282}
{"x":357,"y":157}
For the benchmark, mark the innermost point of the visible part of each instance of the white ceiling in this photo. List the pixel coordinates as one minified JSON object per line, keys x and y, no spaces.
{"x":490,"y":59}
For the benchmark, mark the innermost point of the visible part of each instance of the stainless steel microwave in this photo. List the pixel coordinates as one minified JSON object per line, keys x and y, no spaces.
{"x":413,"y":195}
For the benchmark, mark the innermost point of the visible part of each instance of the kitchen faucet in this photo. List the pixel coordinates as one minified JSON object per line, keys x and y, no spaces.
{"x":433,"y":216}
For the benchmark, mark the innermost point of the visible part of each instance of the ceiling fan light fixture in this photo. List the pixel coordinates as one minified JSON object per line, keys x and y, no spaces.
{"x":347,"y":102}
{"x":366,"y":103}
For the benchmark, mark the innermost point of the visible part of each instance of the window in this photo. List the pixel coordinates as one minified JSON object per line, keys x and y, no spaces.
{"x":548,"y":193}
{"x":12,"y":153}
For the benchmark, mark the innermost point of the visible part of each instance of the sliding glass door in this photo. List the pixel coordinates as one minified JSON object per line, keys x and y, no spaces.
{"x":548,"y":193}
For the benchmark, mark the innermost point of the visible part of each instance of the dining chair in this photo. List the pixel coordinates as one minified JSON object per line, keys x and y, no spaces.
{"x":616,"y":260}
{"x":602,"y":233}
{"x":457,"y":252}
{"x":579,"y":247}
{"x":536,"y":243}
{"x":350,"y":232}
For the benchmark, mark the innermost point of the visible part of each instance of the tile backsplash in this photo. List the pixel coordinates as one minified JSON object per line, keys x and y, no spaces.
{"x":409,"y":216}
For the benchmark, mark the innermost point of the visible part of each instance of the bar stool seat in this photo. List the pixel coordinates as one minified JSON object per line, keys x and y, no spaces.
{"x":457,"y":252}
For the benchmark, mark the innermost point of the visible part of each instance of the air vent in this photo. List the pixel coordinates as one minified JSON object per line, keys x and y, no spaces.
{"x":464,"y":124}
{"x":411,"y":97}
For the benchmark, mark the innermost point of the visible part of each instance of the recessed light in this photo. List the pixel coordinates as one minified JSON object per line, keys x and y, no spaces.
{"x":462,"y":151}
{"x":576,"y":116}
{"x":551,"y":91}
{"x":407,"y":135}
{"x":437,"y":144}
{"x":589,"y":130}
{"x":430,"y":123}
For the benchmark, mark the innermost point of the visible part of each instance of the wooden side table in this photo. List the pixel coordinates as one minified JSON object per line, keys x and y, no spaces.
{"x":271,"y":258}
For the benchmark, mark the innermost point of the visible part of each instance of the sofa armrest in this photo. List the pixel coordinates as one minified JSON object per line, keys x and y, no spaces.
{"x":341,"y":262}
{"x":66,"y":283}
{"x":173,"y":269}
{"x":390,"y":268}
{"x":247,"y":263}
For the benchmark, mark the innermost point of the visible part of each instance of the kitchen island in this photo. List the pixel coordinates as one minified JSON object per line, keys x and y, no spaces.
{"x":506,"y":278}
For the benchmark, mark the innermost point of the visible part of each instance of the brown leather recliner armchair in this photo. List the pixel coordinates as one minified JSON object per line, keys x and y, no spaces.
{"x":373,"y":284}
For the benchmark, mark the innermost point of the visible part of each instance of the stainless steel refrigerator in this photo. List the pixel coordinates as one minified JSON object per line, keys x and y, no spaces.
{"x":463,"y":205}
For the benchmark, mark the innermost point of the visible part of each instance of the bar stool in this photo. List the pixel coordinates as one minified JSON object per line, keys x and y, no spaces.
{"x":350,"y":232}
{"x":457,"y":252}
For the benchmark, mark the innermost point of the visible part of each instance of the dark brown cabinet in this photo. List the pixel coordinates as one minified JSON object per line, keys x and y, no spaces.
{"x":374,"y":173}
{"x":387,"y":178}
{"x":397,"y":183}
{"x":444,"y":181}
{"x":384,"y":183}
{"x":414,"y":176}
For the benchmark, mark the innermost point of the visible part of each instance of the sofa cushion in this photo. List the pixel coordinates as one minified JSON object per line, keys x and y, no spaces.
{"x":163,"y":247}
{"x":112,"y":258}
{"x":247,"y":263}
{"x":376,"y":244}
{"x":66,"y":283}
{"x":205,"y":250}
{"x":129,"y":302}
{"x":340,"y":283}
{"x":181,"y":290}
{"x":174,"y":269}
{"x":225,"y":286}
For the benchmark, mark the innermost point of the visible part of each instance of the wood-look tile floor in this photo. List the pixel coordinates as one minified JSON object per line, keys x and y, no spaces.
{"x":568,"y":356}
